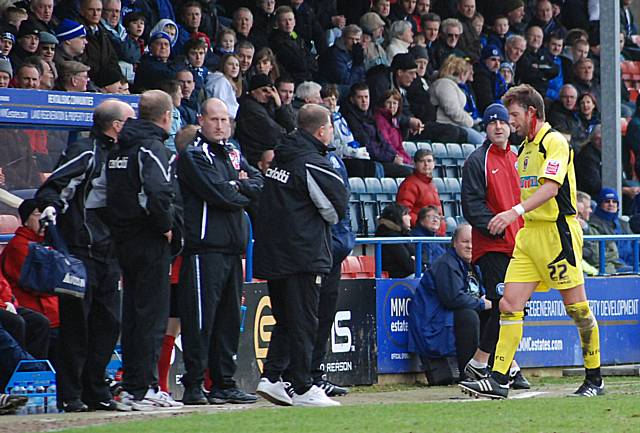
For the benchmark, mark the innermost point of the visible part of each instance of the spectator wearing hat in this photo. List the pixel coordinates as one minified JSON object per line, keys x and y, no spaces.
{"x":72,"y":38}
{"x":488,"y":84}
{"x":448,"y":43}
{"x":536,"y":67}
{"x":343,"y":63}
{"x":397,"y":259}
{"x":26,"y":314}
{"x":606,"y":220}
{"x":261,"y":122}
{"x":514,"y":11}
{"x":27,"y":44}
{"x":6,"y":73}
{"x":291,"y":49}
{"x":41,"y":15}
{"x":74,"y":76}
{"x":7,"y":40}
{"x":47,"y":46}
{"x":507,"y":70}
{"x":155,"y":67}
{"x":372,"y":38}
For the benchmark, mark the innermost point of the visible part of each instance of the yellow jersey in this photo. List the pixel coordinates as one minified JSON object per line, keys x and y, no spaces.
{"x":548,"y":156}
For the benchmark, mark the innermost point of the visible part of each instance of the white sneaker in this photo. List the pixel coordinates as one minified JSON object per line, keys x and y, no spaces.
{"x":162,"y":399}
{"x":314,"y":397}
{"x":143,"y":405}
{"x":273,"y":392}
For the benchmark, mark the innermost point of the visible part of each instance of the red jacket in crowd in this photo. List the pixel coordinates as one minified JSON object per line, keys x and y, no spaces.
{"x":12,"y":259}
{"x":416,"y":192}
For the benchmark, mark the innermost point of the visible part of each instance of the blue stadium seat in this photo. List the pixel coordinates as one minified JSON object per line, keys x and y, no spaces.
{"x":389,"y":191}
{"x":410,"y":147}
{"x":467,"y":149}
{"x":357,"y":185}
{"x":373,"y":185}
{"x":440,"y":155}
{"x":451,"y":200}
{"x":454,"y":161}
{"x":439,"y":185}
{"x":439,"y":150}
{"x":399,"y":181}
{"x":355,"y":206}
{"x":451,"y":225}
{"x":424,"y":145}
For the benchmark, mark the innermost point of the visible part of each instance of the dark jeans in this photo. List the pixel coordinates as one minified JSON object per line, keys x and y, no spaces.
{"x":89,"y":330}
{"x":29,"y":328}
{"x":493,"y":266}
{"x":467,"y":325}
{"x":145,"y":262}
{"x":209,"y":304}
{"x":294,"y":303}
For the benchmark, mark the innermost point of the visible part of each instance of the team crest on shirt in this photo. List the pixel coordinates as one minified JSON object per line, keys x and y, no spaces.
{"x":525,"y":163}
{"x":552,"y":167}
{"x":234,"y":156}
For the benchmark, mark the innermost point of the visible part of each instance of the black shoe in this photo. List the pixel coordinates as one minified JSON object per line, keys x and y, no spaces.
{"x":518,"y":381}
{"x":589,"y":389}
{"x":475,"y":373}
{"x":487,"y":387}
{"x":331,"y":389}
{"x":74,"y":406}
{"x":110,"y":405}
{"x":193,"y":395}
{"x":230,"y":395}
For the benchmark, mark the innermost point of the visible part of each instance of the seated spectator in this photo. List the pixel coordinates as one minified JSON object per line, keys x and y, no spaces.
{"x":397,"y":259}
{"x":545,"y":19}
{"x":127,"y":48}
{"x":120,"y":87}
{"x":189,"y":107}
{"x":167,"y":26}
{"x":134,"y":24}
{"x":400,"y":39}
{"x":12,"y":259}
{"x":291,"y":49}
{"x":41,"y":15}
{"x":418,"y":191}
{"x":308,"y":26}
{"x":6,"y":73}
{"x":459,"y":290}
{"x":14,"y":16}
{"x":450,"y":100}
{"x":27,"y":44}
{"x":499,"y":32}
{"x":514,"y":48}
{"x":74,"y":77}
{"x":383,"y":9}
{"x":286,"y":90}
{"x":225,"y":44}
{"x":264,"y":21}
{"x":428,"y":224}
{"x":73,"y":41}
{"x":507,"y":70}
{"x":363,"y":127}
{"x":583,"y":78}
{"x":372,"y":37}
{"x":155,"y":66}
{"x":402,"y":11}
{"x":562,"y":113}
{"x":488,"y":85}
{"x":387,"y":115}
{"x":536,"y":67}
{"x":261,"y":122}
{"x":469,"y":41}
{"x":47,"y":46}
{"x":190,"y":20}
{"x":554,"y":48}
{"x":606,"y":221}
{"x":418,"y":95}
{"x":307,"y":92}
{"x":7,"y":40}
{"x":343,"y":141}
{"x":245,"y":51}
{"x":226,"y":83}
{"x":631,"y":146}
{"x":588,"y":164}
{"x":588,"y":117}
{"x":28,"y":76}
{"x":343,"y":63}
{"x":265,"y":62}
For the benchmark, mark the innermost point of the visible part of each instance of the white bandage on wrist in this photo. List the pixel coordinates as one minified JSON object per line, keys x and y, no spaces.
{"x":519,"y":209}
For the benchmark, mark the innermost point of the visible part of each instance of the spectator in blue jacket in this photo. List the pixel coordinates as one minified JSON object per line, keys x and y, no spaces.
{"x":343,"y":63}
{"x":155,"y":66}
{"x":428,"y":225}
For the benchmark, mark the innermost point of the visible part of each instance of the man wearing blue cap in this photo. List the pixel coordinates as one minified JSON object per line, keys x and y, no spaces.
{"x":490,"y":185}
{"x":155,"y":66}
{"x":488,"y":84}
{"x":7,"y":39}
{"x":72,"y":38}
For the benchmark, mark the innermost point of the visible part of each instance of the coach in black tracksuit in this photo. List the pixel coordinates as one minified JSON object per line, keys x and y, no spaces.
{"x":140,"y":198}
{"x":216,"y":183}
{"x":89,"y":328}
{"x":302,"y":197}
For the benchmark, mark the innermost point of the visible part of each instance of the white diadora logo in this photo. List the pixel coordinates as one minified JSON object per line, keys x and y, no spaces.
{"x":119,"y":162}
{"x":278,"y":174}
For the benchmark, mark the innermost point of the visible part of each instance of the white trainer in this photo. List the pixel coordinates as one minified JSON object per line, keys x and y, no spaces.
{"x":314,"y":397}
{"x":273,"y":392}
{"x":162,"y":399}
{"x":143,"y":405}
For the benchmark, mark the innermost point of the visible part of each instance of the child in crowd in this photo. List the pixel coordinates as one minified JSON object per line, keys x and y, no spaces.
{"x":506,"y":70}
{"x":499,"y":32}
{"x":225,"y":45}
{"x":195,"y":53}
{"x":478,"y":25}
{"x":134,"y":24}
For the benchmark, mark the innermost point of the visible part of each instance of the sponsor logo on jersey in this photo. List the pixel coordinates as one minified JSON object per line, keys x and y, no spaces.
{"x":119,"y":162}
{"x":278,"y":174}
{"x":552,"y":167}
{"x":528,"y":181}
{"x":234,"y":156}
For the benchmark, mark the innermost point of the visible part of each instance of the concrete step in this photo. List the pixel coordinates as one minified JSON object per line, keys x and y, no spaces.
{"x":610,"y":370}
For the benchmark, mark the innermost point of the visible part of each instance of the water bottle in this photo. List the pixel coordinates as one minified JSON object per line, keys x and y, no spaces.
{"x":39,"y":399}
{"x":243,"y":312}
{"x":18,"y":389}
{"x":52,"y":402}
{"x":31,"y":407}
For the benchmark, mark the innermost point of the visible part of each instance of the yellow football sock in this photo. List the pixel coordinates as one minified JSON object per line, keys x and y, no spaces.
{"x":510,"y":335}
{"x":588,"y":330}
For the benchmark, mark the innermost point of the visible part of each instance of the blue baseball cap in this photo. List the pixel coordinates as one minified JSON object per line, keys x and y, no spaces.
{"x":495,"y":112}
{"x":491,"y":51}
{"x":607,"y":194}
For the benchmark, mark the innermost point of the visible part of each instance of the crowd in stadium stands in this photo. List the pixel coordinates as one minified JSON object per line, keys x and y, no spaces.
{"x":389,"y":71}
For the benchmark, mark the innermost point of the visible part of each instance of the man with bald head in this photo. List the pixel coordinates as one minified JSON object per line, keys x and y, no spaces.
{"x":217,"y":184}
{"x":89,"y":327}
{"x":140,"y":201}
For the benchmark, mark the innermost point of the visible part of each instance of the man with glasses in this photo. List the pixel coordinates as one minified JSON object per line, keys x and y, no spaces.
{"x":562,"y":112}
{"x":428,"y":225}
{"x":89,"y":327}
{"x":490,"y":185}
{"x":447,"y":44}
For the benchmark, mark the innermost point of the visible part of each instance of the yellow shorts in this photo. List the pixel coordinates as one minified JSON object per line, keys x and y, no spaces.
{"x":549,"y":253}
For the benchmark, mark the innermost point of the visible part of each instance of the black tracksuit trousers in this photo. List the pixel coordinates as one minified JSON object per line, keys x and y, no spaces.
{"x":209,"y":305}
{"x":145,"y":261}
{"x":89,"y":330}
